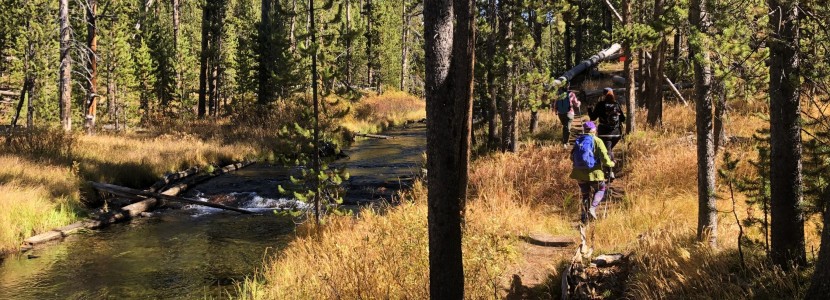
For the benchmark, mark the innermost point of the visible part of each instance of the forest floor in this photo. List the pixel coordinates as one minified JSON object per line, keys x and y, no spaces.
{"x":513,"y":195}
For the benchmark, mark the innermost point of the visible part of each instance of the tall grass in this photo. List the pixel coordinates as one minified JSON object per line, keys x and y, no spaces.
{"x":44,"y":172}
{"x":512,"y":194}
{"x":376,"y":113}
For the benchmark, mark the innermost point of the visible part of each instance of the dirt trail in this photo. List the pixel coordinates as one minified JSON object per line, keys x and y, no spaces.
{"x":538,"y":274}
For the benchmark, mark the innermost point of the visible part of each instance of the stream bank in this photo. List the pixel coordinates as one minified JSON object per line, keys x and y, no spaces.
{"x":198,"y":252}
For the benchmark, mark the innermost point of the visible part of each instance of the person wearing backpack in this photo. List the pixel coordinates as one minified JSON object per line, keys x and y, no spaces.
{"x":610,"y":115}
{"x":589,"y":156}
{"x":564,"y":106}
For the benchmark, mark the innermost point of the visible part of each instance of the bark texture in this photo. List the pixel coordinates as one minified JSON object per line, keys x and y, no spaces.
{"x":449,"y":48}
{"x":787,"y":226}
{"x":630,"y":80}
{"x":65,"y":73}
{"x":707,"y":218}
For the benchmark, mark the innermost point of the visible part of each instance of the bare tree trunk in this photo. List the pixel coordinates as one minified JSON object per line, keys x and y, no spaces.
{"x":568,"y":40}
{"x":205,"y":53}
{"x":292,"y":38}
{"x":28,"y":83}
{"x":450,"y":57}
{"x":707,"y":224}
{"x":65,"y":73}
{"x":630,"y":80}
{"x":369,"y":56}
{"x":493,"y":131}
{"x":787,"y":228}
{"x":506,"y":101}
{"x":404,"y":46}
{"x":314,"y":79}
{"x":536,"y":31}
{"x":579,"y":44}
{"x":654,"y":89}
{"x":176,"y":49}
{"x":720,"y":114}
{"x":92,"y":48}
{"x":349,"y":43}
{"x":820,"y":286}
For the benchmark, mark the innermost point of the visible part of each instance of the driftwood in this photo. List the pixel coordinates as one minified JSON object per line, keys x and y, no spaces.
{"x":128,"y":192}
{"x":374,"y":136}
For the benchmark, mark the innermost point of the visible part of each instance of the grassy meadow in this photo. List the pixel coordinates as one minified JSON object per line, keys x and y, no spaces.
{"x":382,"y":253}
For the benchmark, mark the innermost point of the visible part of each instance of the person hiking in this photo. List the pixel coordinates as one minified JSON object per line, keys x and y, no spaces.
{"x":564,"y":105}
{"x":589,"y":156}
{"x":610,"y":116}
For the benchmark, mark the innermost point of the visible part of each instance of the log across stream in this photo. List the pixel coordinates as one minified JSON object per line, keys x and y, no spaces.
{"x":199,"y":252}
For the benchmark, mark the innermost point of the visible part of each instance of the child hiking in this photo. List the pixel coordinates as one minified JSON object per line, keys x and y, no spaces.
{"x":610,"y":116}
{"x":564,"y":105}
{"x":589,"y":156}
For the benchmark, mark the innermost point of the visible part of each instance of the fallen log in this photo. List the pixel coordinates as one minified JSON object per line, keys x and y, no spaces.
{"x":125,"y":191}
{"x":374,"y":136}
{"x":126,"y":212}
{"x":674,"y":89}
{"x":585,"y":64}
{"x":170,"y":178}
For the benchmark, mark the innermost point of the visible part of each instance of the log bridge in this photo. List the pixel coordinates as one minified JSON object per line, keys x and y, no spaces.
{"x":171,"y":185}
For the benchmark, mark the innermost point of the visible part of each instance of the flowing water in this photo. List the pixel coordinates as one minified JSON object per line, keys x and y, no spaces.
{"x":194,"y":252}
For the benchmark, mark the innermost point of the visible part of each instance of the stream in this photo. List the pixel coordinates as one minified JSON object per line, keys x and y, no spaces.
{"x":197,"y":252}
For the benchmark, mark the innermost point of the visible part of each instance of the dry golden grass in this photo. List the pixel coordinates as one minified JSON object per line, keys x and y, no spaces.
{"x":512,"y":194}
{"x":43,"y":175}
{"x":373,"y":114}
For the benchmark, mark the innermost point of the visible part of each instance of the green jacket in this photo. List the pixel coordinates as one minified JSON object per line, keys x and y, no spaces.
{"x":594,"y":174}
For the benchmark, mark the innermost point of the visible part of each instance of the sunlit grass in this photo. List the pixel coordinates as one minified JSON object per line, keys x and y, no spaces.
{"x":513,"y":194}
{"x":42,"y":187}
{"x":376,"y":113}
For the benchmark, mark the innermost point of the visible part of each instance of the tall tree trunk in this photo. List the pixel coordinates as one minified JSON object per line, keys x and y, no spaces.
{"x":644,"y":66}
{"x":630,"y":79}
{"x":720,"y":115}
{"x":787,"y":228}
{"x":677,"y":41}
{"x":404,"y":44}
{"x":506,"y":96}
{"x":23,"y":97}
{"x":450,"y":57}
{"x":179,"y":92}
{"x":292,"y":38}
{"x":205,"y":53}
{"x":579,"y":42}
{"x":707,"y":219}
{"x":369,"y":51}
{"x":536,"y":31}
{"x":654,"y":88}
{"x":92,"y":48}
{"x":30,"y":105}
{"x":568,"y":41}
{"x":314,"y":79}
{"x":492,"y":114}
{"x":349,"y":43}
{"x":28,"y":83}
{"x":65,"y":73}
{"x":820,"y":285}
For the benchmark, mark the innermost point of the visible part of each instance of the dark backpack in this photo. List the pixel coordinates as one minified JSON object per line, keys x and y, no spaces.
{"x":563,"y":104}
{"x":583,"y":153}
{"x":611,"y":119}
